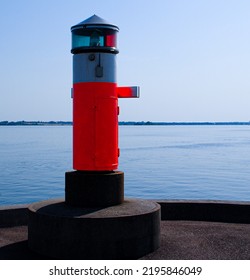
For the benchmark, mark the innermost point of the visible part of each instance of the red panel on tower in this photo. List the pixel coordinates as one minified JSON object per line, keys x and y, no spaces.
{"x":95,"y":120}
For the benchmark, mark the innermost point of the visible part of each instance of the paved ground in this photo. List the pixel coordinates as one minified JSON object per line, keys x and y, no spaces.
{"x":188,"y":240}
{"x":179,"y":240}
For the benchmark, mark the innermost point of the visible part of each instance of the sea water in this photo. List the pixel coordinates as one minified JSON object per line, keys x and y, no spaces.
{"x":208,"y":162}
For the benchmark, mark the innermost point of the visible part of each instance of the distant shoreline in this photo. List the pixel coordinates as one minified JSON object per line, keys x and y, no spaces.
{"x":68,"y":123}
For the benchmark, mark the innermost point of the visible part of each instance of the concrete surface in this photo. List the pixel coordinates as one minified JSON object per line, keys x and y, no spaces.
{"x":186,"y":237}
{"x":94,"y":189}
{"x":125,"y":231}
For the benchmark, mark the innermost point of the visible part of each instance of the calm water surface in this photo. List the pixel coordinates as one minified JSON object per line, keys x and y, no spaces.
{"x":160,"y":162}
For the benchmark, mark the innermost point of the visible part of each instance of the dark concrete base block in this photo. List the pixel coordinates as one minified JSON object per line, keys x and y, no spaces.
{"x":94,"y":189}
{"x":126,"y":231}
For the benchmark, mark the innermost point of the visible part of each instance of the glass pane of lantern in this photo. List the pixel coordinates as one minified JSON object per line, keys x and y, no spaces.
{"x":87,"y":39}
{"x":93,"y":37}
{"x":96,"y":40}
{"x":111,"y":40}
{"x":80,"y":41}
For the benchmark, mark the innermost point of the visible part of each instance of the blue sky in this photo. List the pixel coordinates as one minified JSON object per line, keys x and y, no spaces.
{"x":191,"y":58}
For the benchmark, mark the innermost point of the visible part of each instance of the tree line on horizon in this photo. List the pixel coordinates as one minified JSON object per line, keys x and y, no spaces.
{"x":15,"y":123}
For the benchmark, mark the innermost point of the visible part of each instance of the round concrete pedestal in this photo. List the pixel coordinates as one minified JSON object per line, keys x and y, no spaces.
{"x":126,"y":231}
{"x":94,"y":189}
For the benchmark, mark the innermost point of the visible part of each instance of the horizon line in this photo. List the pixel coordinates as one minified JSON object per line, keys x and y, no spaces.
{"x":30,"y":123}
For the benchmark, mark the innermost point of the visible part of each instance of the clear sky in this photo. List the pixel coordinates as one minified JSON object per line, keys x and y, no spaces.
{"x":191,"y":58}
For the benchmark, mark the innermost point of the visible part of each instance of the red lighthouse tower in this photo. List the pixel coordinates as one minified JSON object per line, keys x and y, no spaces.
{"x":95,"y":181}
{"x":95,"y":95}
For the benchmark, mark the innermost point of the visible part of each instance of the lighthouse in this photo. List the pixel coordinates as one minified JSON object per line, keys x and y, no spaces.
{"x":95,"y":95}
{"x":95,"y":220}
